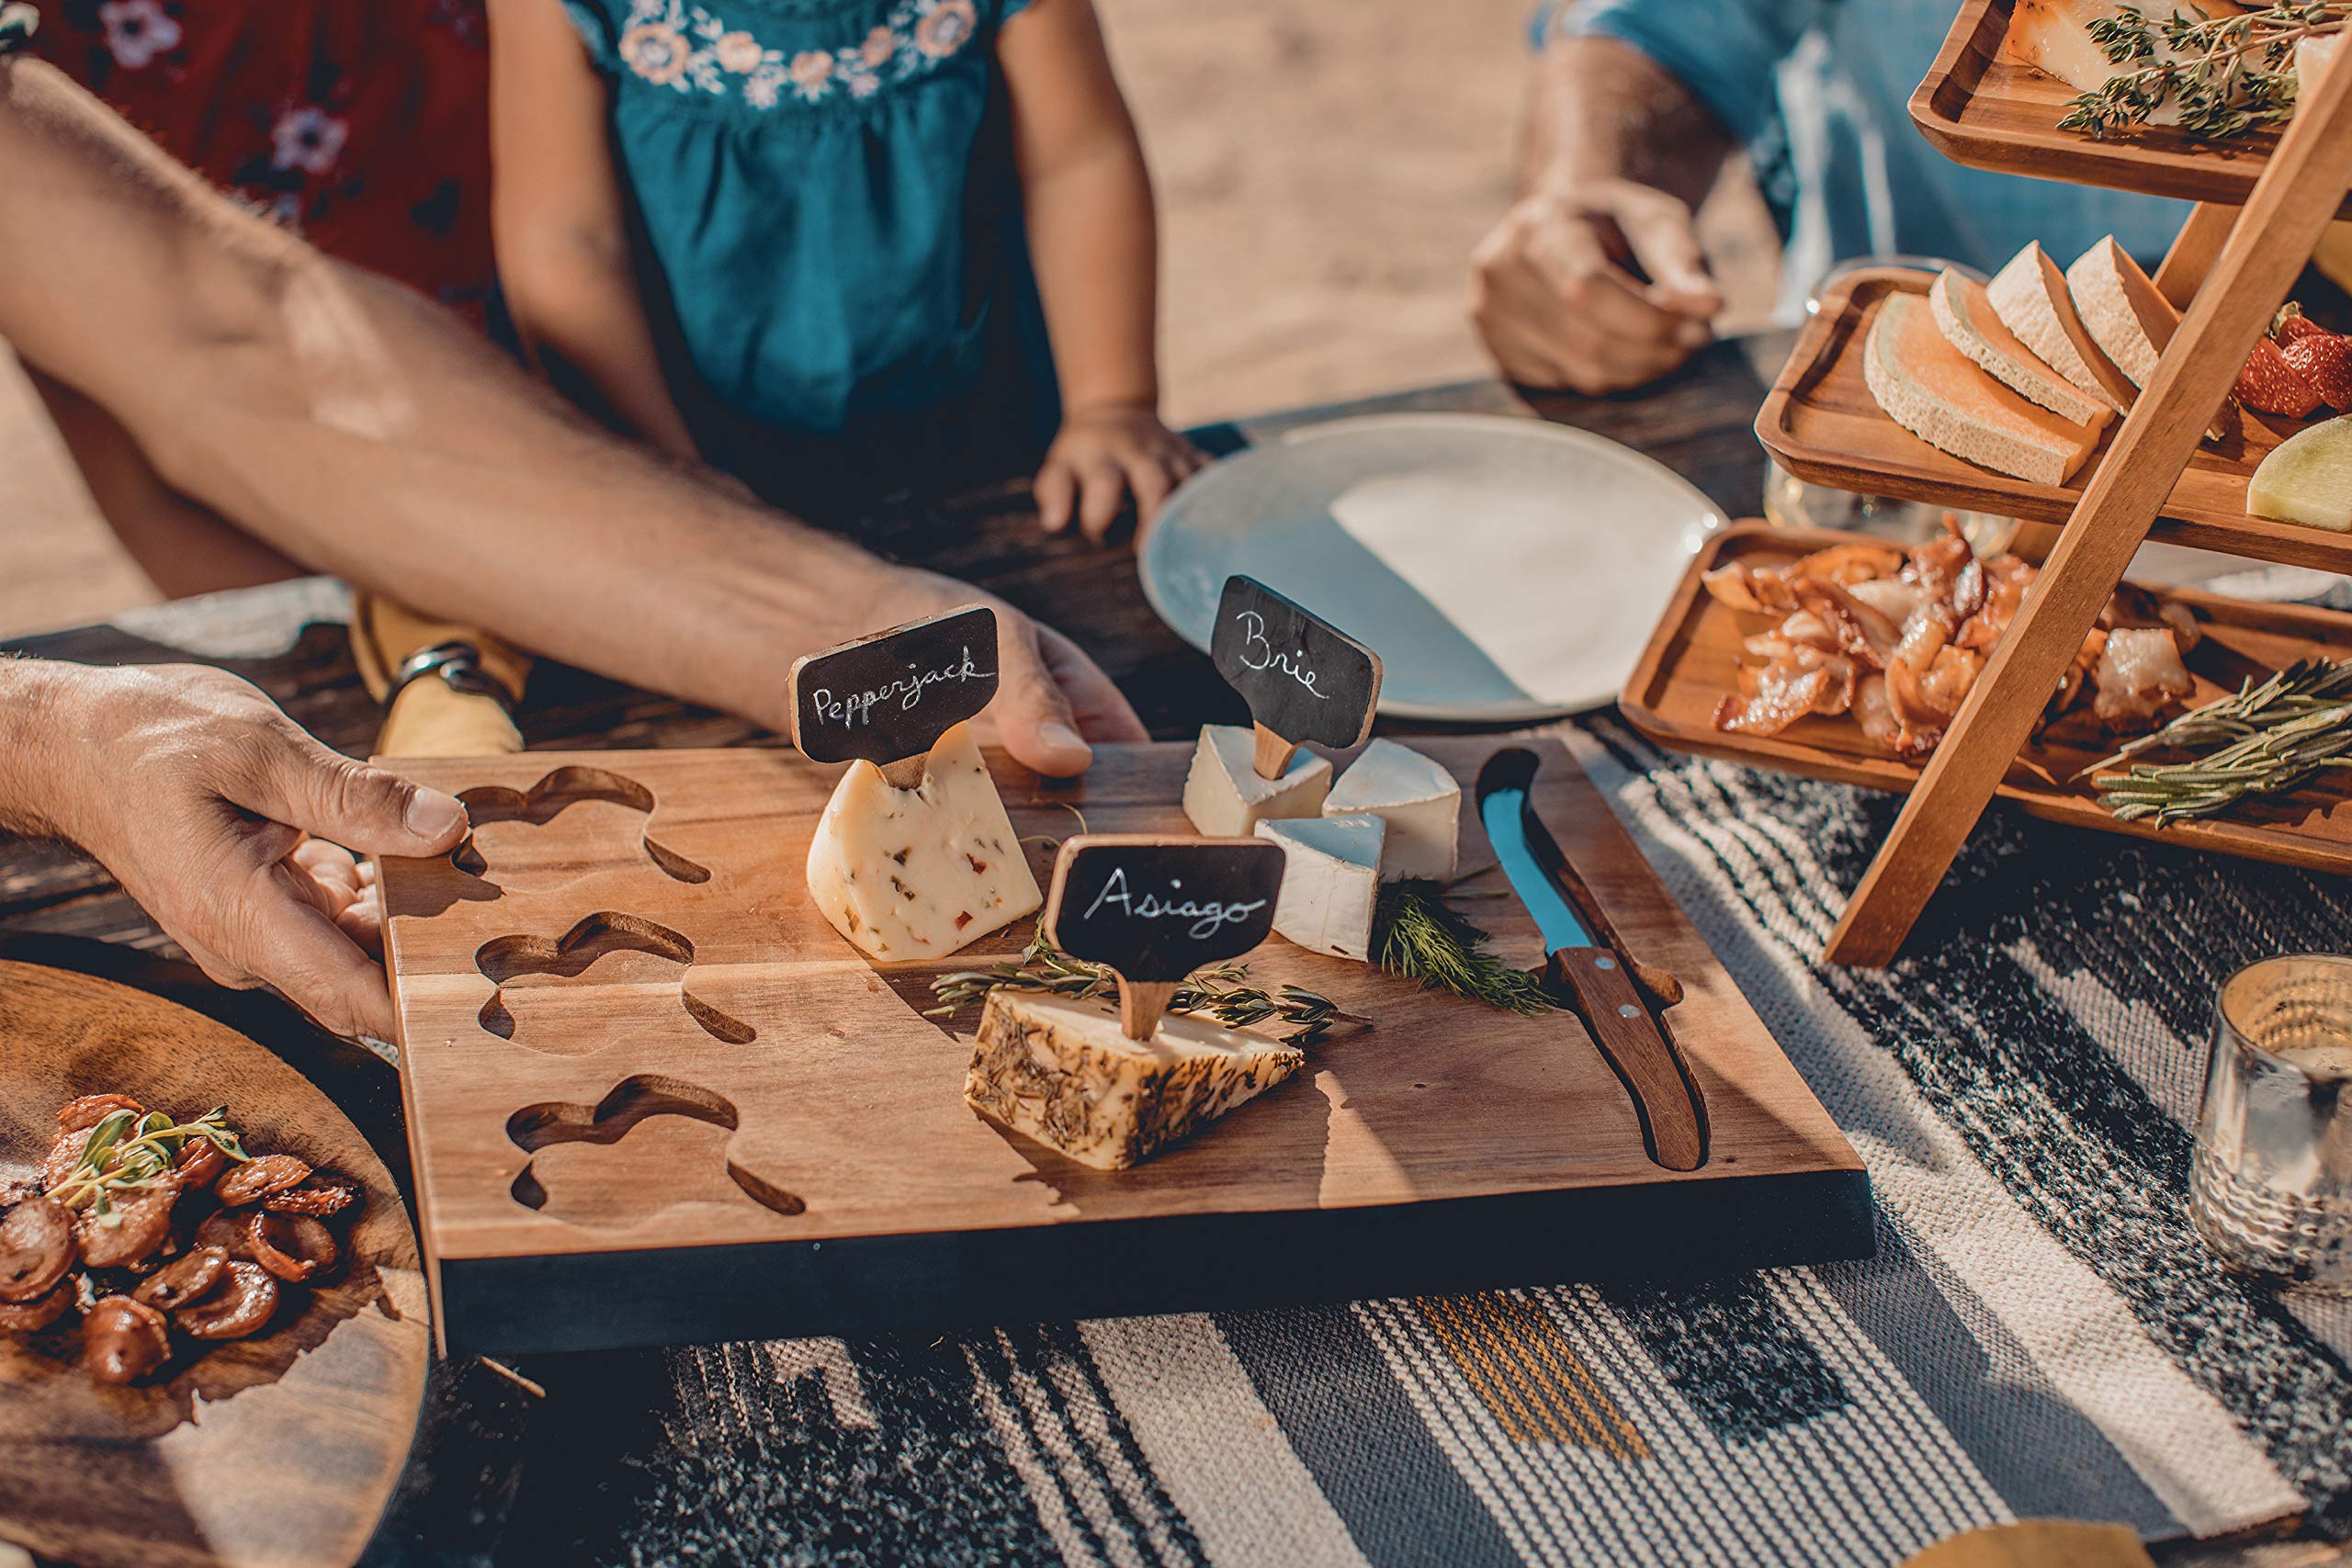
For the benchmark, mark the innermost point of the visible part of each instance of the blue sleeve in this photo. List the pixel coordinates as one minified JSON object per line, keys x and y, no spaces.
{"x":1724,"y":51}
{"x":597,"y":35}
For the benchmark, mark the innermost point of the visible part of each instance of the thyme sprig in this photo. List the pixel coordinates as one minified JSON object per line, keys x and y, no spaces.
{"x":2262,"y":740}
{"x":128,"y":1150}
{"x":1222,"y":991}
{"x":2223,"y":73}
{"x":1416,"y":936}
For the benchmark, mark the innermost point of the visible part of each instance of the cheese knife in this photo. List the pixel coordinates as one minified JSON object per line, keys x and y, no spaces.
{"x":1595,"y":974}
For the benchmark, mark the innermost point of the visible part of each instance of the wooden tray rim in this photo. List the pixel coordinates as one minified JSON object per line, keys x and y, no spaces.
{"x":2280,"y":845}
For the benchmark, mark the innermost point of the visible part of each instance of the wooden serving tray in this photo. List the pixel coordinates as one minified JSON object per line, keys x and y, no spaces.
{"x":1691,"y":659}
{"x":1980,"y":109}
{"x":1821,"y":423}
{"x":653,"y":1096}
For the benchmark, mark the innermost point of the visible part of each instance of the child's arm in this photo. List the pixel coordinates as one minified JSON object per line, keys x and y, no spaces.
{"x":561,"y":224}
{"x":1093,"y":239}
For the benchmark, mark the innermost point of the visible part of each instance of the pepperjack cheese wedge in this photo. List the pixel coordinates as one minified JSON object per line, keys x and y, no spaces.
{"x":2028,"y":295}
{"x":919,"y":872}
{"x":1061,"y":1071}
{"x":1225,"y":798}
{"x":1331,"y":883}
{"x":1937,"y":393}
{"x":1966,"y":317}
{"x":1420,"y":802}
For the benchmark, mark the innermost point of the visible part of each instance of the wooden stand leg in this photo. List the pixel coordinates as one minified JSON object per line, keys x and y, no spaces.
{"x":2296,"y":198}
{"x":2194,"y":251}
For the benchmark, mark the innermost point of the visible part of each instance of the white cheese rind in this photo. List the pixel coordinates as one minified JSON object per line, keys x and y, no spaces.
{"x":1330,"y":881}
{"x":919,"y":872}
{"x":1062,"y":1072}
{"x":1419,"y":799}
{"x":1225,"y":798}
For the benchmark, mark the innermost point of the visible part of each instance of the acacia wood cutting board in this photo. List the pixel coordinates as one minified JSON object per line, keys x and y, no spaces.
{"x":653,"y":1096}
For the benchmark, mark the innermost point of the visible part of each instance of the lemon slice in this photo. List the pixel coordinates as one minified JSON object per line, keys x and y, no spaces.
{"x":2308,"y":479}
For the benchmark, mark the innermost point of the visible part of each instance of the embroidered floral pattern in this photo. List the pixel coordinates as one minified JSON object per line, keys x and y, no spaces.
{"x":678,"y":45}
{"x":308,"y":139}
{"x":137,"y":31}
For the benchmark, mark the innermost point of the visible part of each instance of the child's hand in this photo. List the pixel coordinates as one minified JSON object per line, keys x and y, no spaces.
{"x":1102,"y":456}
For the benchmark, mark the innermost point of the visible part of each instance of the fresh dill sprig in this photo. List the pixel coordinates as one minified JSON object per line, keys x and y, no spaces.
{"x":2260,"y":741}
{"x":1222,"y":992}
{"x":2222,"y":73}
{"x":1417,"y":937}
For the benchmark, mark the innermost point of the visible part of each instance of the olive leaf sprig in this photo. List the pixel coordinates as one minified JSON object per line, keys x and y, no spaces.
{"x":2223,"y":73}
{"x":1222,"y":992}
{"x":128,"y":1150}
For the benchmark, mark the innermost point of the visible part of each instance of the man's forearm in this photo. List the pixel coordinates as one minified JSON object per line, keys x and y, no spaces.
{"x":1601,"y":110}
{"x":366,"y":433}
{"x":32,"y":764}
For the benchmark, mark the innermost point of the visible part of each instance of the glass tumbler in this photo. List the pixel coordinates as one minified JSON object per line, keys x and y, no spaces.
{"x":2270,"y":1179}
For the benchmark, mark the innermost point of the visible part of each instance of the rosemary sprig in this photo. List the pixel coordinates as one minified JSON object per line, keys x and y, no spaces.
{"x":127,"y":1150}
{"x":2223,"y":73}
{"x":2264,"y":739}
{"x":2304,"y":687}
{"x":1222,"y":992}
{"x":1416,"y":936}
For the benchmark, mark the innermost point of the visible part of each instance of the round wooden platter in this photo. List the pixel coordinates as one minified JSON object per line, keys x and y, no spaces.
{"x":278,"y":1449}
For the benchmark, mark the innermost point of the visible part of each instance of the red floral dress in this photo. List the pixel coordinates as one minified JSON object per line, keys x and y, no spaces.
{"x":362,"y":123}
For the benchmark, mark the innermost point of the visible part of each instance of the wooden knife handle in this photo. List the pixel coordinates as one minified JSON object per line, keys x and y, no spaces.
{"x":1621,"y":1026}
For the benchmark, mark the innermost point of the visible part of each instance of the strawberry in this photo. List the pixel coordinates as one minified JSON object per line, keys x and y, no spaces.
{"x":2325,"y":360}
{"x":2291,"y":324}
{"x":2269,"y":384}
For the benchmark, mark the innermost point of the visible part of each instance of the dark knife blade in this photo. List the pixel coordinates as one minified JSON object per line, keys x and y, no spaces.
{"x":1592,"y":971}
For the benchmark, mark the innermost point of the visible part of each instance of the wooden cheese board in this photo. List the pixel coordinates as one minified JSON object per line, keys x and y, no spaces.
{"x":653,"y":1096}
{"x":1978,"y":108}
{"x":277,"y":1452}
{"x":1821,"y":423}
{"x":1690,"y":663}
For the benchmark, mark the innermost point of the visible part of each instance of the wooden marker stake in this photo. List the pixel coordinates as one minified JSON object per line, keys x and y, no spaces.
{"x":1153,"y":911}
{"x":1304,"y":678}
{"x":888,"y":698}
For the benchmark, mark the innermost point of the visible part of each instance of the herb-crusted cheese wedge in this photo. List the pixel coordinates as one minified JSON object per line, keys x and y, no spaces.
{"x":919,"y":872}
{"x":1062,"y":1072}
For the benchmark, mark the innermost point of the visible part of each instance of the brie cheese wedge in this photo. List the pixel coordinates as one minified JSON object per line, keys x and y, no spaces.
{"x":1331,"y":883}
{"x":1062,"y":1071}
{"x":1225,"y":798}
{"x":1419,"y":800}
{"x":919,"y":872}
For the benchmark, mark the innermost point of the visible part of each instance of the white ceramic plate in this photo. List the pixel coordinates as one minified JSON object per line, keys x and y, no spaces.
{"x":1504,"y":569}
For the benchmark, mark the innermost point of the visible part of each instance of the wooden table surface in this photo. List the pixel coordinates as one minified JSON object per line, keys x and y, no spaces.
{"x":1698,"y":422}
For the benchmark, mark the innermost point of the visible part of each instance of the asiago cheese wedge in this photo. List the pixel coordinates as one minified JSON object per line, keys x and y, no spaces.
{"x":919,"y":872}
{"x":1967,"y":319}
{"x":1063,"y":1072}
{"x":2029,"y":297}
{"x":1937,"y":393}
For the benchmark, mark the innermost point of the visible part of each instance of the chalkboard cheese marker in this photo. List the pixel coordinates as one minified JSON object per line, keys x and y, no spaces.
{"x":1110,"y":1090}
{"x":1304,"y":679}
{"x":888,"y":698}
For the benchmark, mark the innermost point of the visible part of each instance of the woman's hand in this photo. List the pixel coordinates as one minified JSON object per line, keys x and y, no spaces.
{"x":202,"y":799}
{"x":1104,"y":455}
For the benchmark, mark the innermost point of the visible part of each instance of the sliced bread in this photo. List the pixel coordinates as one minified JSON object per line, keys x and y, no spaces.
{"x":1937,"y":393}
{"x":1967,"y":317}
{"x":2028,"y":295}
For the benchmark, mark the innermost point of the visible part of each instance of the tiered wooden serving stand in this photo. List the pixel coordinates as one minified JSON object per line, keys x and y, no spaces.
{"x":2229,"y":269}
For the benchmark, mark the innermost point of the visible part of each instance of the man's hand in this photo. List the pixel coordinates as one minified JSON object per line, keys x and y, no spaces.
{"x":1553,"y":294}
{"x":1051,"y":699}
{"x":227,"y":822}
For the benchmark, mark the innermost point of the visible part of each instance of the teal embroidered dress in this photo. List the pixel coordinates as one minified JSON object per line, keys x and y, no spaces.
{"x":827,"y":190}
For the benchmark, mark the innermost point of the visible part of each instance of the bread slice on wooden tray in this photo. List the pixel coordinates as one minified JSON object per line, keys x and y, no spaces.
{"x":1967,"y":319}
{"x":2030,"y":297}
{"x":1937,"y":393}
